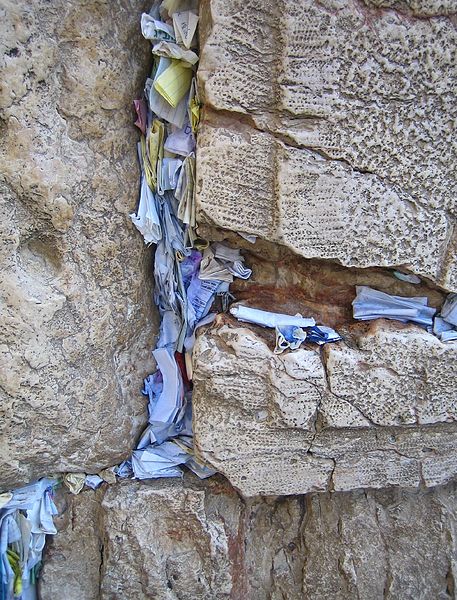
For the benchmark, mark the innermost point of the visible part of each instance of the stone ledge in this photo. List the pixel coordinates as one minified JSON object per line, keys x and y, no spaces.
{"x":375,"y":414}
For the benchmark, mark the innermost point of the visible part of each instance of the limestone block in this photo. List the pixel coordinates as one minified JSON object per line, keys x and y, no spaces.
{"x":192,"y":540}
{"x":163,"y":540}
{"x":250,"y":181}
{"x":71,"y":567}
{"x":75,"y":292}
{"x":333,"y":129}
{"x":373,"y":412}
{"x":375,"y":545}
{"x":254,"y":412}
{"x":395,"y":376}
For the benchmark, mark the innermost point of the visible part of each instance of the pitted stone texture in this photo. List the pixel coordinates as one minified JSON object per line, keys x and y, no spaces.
{"x":422,"y":8}
{"x":277,"y":425}
{"x":254,"y":412}
{"x":76,"y":309}
{"x":358,"y":102}
{"x":395,"y":377}
{"x":379,"y":457}
{"x":311,"y":205}
{"x":190,"y":540}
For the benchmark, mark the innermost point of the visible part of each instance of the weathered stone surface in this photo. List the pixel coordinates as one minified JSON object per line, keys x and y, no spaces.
{"x":191,"y":540}
{"x":163,"y":540}
{"x":359,"y":415}
{"x":389,"y":544}
{"x":254,"y":412}
{"x":76,"y":309}
{"x":395,"y":376}
{"x":71,"y":569}
{"x":328,"y":129}
{"x":316,"y":207}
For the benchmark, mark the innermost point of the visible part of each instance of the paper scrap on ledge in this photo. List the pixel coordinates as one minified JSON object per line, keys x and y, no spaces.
{"x":320,"y":334}
{"x":372,"y":304}
{"x":93,"y":481}
{"x":158,"y":461}
{"x":74,"y":482}
{"x":408,"y":277}
{"x":248,"y":237}
{"x":449,"y":310}
{"x":289,"y":337}
{"x":269,"y":319}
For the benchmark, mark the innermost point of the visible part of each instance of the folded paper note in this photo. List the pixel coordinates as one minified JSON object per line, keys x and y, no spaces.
{"x":373,"y":304}
{"x":171,"y":50}
{"x":158,"y":104}
{"x":146,"y":219}
{"x":289,"y":337}
{"x":174,"y":83}
{"x":449,"y":310}
{"x":185,"y":25}
{"x":155,"y":30}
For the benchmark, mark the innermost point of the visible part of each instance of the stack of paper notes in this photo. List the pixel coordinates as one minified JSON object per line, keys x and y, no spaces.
{"x":167,"y":118}
{"x":189,"y":273}
{"x":373,"y":304}
{"x":26,"y":517}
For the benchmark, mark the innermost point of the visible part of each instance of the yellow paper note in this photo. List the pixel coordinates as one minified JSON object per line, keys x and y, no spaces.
{"x":169,"y":6}
{"x":74,"y":482}
{"x":193,"y":109}
{"x":149,"y":174}
{"x":174,"y":83}
{"x":5,"y":498}
{"x":194,"y":114}
{"x":155,"y":150}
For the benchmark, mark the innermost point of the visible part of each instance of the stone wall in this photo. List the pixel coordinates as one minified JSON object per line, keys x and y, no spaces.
{"x":328,"y":129}
{"x":77,"y":316}
{"x":327,"y":133}
{"x":375,"y":411}
{"x":192,"y":541}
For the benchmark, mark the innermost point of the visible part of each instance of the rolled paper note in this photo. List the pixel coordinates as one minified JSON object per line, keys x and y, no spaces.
{"x":269,"y":319}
